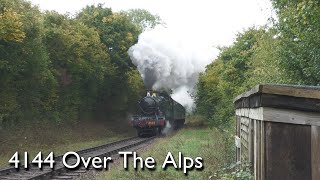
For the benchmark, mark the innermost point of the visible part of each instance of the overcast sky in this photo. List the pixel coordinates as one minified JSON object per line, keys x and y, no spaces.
{"x":211,"y":22}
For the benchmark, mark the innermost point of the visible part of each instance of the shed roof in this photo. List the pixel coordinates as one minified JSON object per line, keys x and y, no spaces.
{"x":312,"y":92}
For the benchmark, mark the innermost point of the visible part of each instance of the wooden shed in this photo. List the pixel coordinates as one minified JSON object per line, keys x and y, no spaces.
{"x":279,"y":131}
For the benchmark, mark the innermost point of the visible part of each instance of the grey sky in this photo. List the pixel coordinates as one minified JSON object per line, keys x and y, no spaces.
{"x":206,"y":22}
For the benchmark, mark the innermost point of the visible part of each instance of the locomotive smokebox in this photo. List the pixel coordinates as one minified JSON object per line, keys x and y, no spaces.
{"x":148,"y":105}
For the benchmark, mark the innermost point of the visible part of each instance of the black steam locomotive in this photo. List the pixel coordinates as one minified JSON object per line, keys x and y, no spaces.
{"x":158,"y":111}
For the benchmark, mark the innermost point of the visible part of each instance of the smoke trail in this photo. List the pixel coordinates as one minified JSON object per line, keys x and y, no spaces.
{"x":169,"y":62}
{"x":183,"y":96}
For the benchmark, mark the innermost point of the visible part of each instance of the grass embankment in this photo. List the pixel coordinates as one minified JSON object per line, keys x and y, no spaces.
{"x":210,"y":144}
{"x":59,"y":138}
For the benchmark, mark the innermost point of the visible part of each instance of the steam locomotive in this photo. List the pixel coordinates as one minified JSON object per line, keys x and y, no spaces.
{"x":158,"y":112}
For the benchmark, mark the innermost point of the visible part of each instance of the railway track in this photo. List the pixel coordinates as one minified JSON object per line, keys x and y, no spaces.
{"x":61,"y":172}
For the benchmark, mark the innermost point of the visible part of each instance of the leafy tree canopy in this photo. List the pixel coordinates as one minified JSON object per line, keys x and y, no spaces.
{"x":143,"y":19}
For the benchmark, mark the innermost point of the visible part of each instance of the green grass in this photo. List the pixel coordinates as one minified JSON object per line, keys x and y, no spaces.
{"x":210,"y":144}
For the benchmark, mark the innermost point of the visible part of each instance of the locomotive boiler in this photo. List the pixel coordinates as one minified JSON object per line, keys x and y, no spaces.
{"x":158,"y":111}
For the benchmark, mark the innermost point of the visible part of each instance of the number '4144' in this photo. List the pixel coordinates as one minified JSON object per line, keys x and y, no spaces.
{"x":37,"y":160}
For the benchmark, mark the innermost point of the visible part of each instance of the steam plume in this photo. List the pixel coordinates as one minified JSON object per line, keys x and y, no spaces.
{"x":169,"y":62}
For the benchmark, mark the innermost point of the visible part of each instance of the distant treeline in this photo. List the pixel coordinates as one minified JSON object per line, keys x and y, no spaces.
{"x":56,"y":67}
{"x":287,"y":52}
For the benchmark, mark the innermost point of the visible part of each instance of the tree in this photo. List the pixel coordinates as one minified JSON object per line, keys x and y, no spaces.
{"x":55,"y":67}
{"x":143,"y":19}
{"x":266,"y":61}
{"x":27,"y":84}
{"x":226,"y":78}
{"x":116,"y":32}
{"x":288,"y":53}
{"x":11,"y":26}
{"x":81,"y":63}
{"x":299,"y":34}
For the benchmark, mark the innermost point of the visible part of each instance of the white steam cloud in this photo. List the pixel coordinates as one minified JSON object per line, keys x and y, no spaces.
{"x":169,"y":62}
